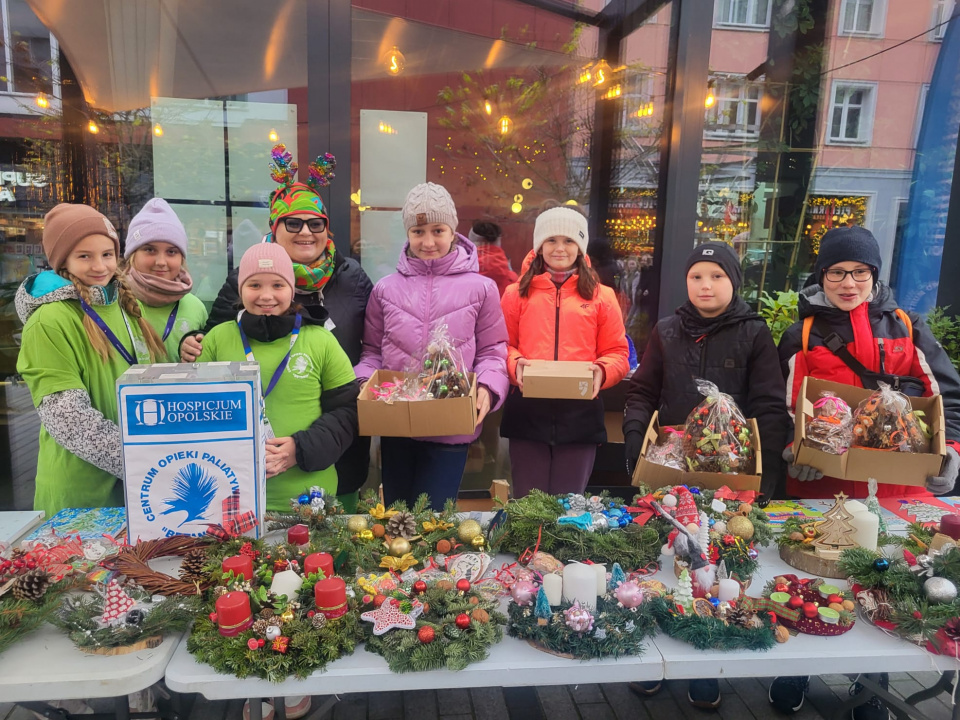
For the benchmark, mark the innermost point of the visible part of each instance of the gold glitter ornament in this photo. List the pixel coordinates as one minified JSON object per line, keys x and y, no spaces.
{"x":478,"y":542}
{"x":399,"y":546}
{"x":357,"y":524}
{"x":741,"y":527}
{"x":365,"y":535}
{"x":468,"y":530}
{"x":287,"y":616}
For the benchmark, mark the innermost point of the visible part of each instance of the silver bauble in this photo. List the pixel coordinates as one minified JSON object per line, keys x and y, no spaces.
{"x":940,"y":590}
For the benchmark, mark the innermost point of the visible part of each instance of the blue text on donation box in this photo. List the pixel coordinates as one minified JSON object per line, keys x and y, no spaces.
{"x":187,"y":413}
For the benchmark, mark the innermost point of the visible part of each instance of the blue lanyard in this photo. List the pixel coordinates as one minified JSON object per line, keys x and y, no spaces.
{"x":114,"y":340}
{"x":286,"y":358}
{"x":173,"y":316}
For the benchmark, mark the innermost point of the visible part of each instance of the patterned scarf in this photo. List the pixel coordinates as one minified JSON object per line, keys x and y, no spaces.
{"x":312,"y":278}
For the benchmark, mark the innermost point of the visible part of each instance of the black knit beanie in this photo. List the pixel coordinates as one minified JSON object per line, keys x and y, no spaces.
{"x":847,"y":244}
{"x":721,"y":254}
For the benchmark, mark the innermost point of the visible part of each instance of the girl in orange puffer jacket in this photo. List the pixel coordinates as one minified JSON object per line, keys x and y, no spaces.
{"x":559,"y":311}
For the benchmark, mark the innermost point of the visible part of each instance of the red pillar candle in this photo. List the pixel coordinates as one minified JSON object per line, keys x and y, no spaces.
{"x":233,"y":613}
{"x":331,"y":597}
{"x":298,"y":535}
{"x":242,"y":566}
{"x":950,"y":525}
{"x":318,"y":561}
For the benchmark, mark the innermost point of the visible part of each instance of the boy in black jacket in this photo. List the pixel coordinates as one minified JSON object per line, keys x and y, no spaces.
{"x":715,"y":336}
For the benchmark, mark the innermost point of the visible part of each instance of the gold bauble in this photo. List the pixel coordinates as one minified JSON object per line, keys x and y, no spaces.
{"x":468,"y":530}
{"x":365,"y":535}
{"x":741,"y":527}
{"x":399,"y":547}
{"x":357,"y":524}
{"x":478,"y":542}
{"x":287,"y":616}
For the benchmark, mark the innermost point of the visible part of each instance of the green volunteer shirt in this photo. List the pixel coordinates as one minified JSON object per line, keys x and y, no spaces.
{"x":317,"y":363}
{"x":56,"y":355}
{"x":191,"y":315}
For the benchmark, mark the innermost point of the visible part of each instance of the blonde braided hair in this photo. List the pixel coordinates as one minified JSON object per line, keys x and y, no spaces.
{"x":98,"y":340}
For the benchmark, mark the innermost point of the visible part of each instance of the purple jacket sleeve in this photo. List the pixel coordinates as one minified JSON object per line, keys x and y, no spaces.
{"x":490,"y":363}
{"x":371,"y":358}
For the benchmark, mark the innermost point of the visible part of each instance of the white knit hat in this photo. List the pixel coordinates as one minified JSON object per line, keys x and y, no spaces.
{"x":561,"y":222}
{"x":429,"y":203}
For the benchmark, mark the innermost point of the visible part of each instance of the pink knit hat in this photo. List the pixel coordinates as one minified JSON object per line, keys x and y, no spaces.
{"x":266,"y":258}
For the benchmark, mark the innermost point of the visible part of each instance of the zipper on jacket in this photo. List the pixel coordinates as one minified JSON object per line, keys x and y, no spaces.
{"x":703,"y":354}
{"x":556,"y":330}
{"x":882,"y":354}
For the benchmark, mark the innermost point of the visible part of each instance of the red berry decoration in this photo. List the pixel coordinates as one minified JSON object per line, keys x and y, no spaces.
{"x":213,"y":617}
{"x":917,"y":615}
{"x":463,"y":620}
{"x":261,"y":642}
{"x":253,"y":644}
{"x":463,"y":585}
{"x":426,"y":634}
{"x":311,"y":613}
{"x":419,"y":587}
{"x":378,"y":600}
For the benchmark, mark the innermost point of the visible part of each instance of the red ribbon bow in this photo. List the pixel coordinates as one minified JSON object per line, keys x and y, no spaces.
{"x":744,"y":496}
{"x":643,"y":510}
{"x":234,"y":524}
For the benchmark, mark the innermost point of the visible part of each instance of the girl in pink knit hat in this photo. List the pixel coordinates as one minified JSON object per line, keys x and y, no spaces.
{"x":155,"y":266}
{"x":309,"y":388}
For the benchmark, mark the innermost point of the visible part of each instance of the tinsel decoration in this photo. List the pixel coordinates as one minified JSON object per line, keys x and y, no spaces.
{"x":403,"y":524}
{"x":31,"y":585}
{"x":80,"y":619}
{"x":283,"y":168}
{"x":452,"y":647}
{"x":321,"y":171}
{"x":617,"y":631}
{"x":191,"y":569}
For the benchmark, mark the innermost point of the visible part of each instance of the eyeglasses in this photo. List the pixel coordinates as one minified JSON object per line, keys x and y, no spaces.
{"x":314,"y":225}
{"x":859,"y":275}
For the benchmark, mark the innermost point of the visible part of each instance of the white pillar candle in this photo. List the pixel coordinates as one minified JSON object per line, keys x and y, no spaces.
{"x":580,"y":584}
{"x":286,"y":582}
{"x":553,"y":587}
{"x":601,"y":571}
{"x":854,"y":506}
{"x":729,"y":590}
{"x":866,"y":527}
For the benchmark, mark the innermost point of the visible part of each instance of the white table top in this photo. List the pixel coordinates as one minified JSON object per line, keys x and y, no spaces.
{"x":46,"y":665}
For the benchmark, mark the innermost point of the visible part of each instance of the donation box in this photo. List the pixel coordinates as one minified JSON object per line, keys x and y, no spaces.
{"x":193,"y":450}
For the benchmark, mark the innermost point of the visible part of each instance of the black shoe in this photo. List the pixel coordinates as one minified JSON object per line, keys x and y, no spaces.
{"x":704,"y":693}
{"x":787,"y":692}
{"x":872,"y":709}
{"x":646,"y":689}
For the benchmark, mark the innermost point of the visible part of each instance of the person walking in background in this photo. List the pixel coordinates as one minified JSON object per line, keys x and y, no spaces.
{"x":559,"y":311}
{"x":155,"y":267}
{"x":493,"y":260}
{"x":437,"y":282}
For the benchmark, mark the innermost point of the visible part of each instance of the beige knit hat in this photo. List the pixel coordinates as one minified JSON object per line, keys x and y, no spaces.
{"x":66,"y":225}
{"x":560,"y":222}
{"x":429,"y":203}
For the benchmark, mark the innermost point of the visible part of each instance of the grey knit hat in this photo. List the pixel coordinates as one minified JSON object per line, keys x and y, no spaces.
{"x":429,"y":203}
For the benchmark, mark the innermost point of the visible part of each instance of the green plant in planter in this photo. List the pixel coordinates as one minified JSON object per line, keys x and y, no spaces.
{"x":946,"y":329}
{"x":780,"y":311}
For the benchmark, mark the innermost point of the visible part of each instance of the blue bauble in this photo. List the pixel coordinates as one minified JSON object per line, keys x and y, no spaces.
{"x":304,"y":499}
{"x":695,"y":490}
{"x":316,"y":494}
{"x":881,"y":564}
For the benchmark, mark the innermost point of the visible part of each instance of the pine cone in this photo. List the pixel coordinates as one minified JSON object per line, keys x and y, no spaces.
{"x":403,"y":524}
{"x":260,"y":627}
{"x":31,"y":585}
{"x":319,"y":620}
{"x":267,"y":613}
{"x":191,"y":569}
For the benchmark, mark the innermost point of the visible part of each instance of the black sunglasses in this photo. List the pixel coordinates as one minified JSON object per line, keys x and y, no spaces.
{"x":314,"y":225}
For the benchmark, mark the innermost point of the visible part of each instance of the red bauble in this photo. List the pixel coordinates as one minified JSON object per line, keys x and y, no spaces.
{"x":463,"y":585}
{"x":781,"y":587}
{"x":834,"y":599}
{"x":419,"y":587}
{"x":426,"y":634}
{"x":810,"y":609}
{"x":378,"y":600}
{"x":253,"y":644}
{"x":463,"y":620}
{"x":795,"y":602}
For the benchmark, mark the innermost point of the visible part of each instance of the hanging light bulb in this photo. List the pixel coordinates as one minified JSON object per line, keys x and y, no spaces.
{"x":488,"y":108}
{"x":394,"y":61}
{"x":601,"y":73}
{"x":158,"y":130}
{"x":93,"y":128}
{"x":42,"y":101}
{"x":274,"y":137}
{"x":505,"y":124}
{"x":711,"y":98}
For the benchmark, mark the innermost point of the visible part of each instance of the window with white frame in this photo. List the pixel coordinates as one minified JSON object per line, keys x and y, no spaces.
{"x":942,"y":11}
{"x":28,"y":50}
{"x":862,"y":17}
{"x":851,"y":113}
{"x":748,"y":13}
{"x":920,"y":106}
{"x":736,"y":109}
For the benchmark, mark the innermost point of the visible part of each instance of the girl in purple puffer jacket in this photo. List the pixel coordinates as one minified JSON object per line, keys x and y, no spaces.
{"x":437,"y":281}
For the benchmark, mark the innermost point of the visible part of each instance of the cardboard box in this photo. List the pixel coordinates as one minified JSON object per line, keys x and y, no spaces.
{"x":191,"y":434}
{"x":483,"y":500}
{"x":655,"y":476}
{"x":419,"y":418}
{"x":561,"y":379}
{"x":861,"y":464}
